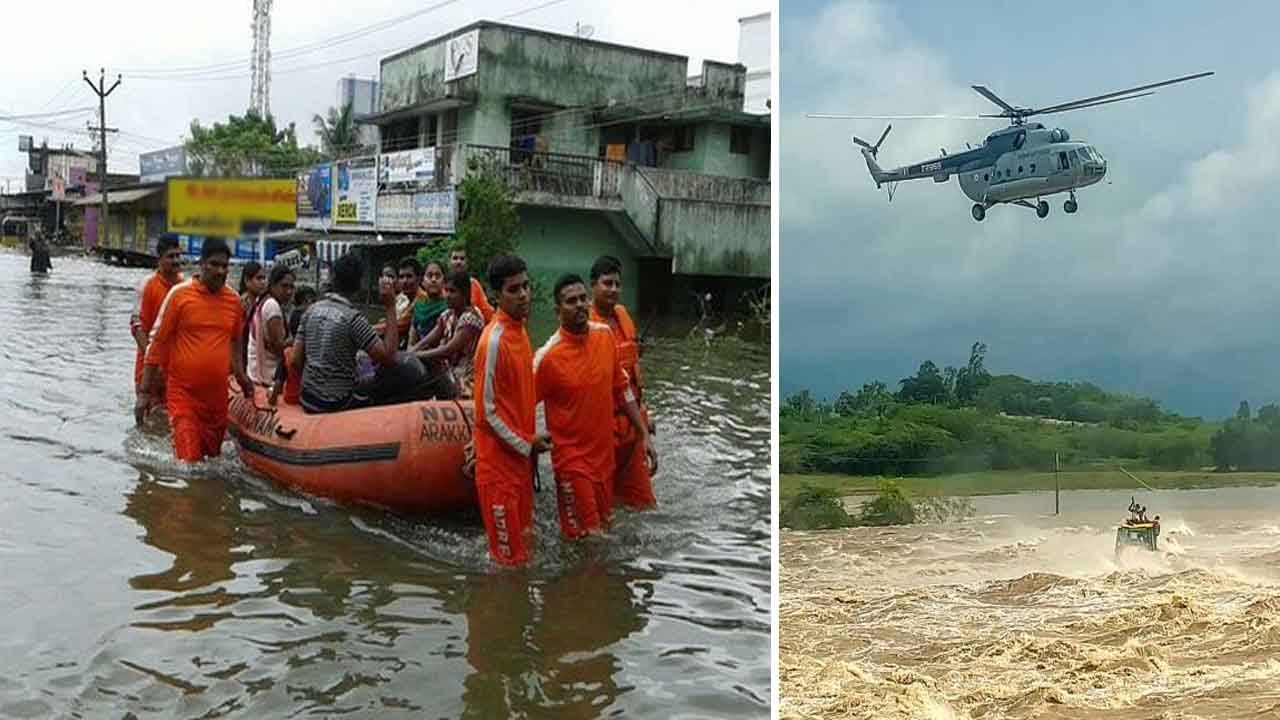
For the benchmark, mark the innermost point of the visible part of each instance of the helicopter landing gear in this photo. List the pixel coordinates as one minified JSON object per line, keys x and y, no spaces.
{"x":1042,"y":209}
{"x":1070,"y":206}
{"x":979,"y":211}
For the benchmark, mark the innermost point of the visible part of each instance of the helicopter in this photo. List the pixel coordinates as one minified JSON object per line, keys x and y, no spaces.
{"x":1015,"y":165}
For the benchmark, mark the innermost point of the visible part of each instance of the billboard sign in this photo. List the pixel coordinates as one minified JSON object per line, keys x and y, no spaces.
{"x":355,"y":197}
{"x":433,"y":212}
{"x":161,"y":164}
{"x":221,"y":207}
{"x":460,"y":56}
{"x":315,"y":197}
{"x":407,"y":169}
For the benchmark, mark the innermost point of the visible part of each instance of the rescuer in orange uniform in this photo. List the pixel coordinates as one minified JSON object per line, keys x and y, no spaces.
{"x":151,"y":293}
{"x":633,"y":484}
{"x":458,"y":263}
{"x":505,"y":439}
{"x":580,"y":381}
{"x":197,"y":342}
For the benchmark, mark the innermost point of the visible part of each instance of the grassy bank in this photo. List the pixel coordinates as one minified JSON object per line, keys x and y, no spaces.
{"x":1003,"y":482}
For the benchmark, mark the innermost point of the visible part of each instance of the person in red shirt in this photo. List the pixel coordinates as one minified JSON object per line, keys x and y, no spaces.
{"x":633,"y":483}
{"x":580,"y":380}
{"x":458,"y":263}
{"x":151,"y":293}
{"x":197,"y":343}
{"x":506,"y":444}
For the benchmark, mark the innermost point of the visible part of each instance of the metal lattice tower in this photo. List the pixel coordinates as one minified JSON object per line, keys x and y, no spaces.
{"x":260,"y":60}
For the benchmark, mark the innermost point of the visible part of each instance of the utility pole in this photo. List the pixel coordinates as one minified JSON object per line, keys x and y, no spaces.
{"x":1057,"y":468}
{"x":102,"y":92}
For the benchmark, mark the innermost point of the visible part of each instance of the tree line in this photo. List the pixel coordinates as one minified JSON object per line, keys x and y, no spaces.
{"x":964,"y":419}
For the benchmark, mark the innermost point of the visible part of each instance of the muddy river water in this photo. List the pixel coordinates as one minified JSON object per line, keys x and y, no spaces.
{"x":130,"y":587}
{"x":1016,"y":613}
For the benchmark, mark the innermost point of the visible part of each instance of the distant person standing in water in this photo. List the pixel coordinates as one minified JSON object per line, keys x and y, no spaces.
{"x":40,"y":262}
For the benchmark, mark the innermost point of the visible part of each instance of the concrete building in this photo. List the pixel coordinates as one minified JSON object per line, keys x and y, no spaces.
{"x":362,"y":94}
{"x":754,"y":51}
{"x":608,"y":149}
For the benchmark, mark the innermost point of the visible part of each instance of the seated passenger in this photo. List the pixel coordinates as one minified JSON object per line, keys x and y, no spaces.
{"x":429,"y":305}
{"x":331,"y":333}
{"x":453,"y":340}
{"x":266,"y":329}
{"x":288,"y":377}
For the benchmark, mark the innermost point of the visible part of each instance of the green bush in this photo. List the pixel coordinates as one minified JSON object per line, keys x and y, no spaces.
{"x":891,"y":507}
{"x":814,"y":508}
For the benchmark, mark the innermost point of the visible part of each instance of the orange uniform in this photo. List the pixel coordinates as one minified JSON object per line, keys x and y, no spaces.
{"x":480,"y":301}
{"x":151,"y":294}
{"x":633,"y":486}
{"x":504,"y":434}
{"x":191,"y":342}
{"x":582,"y":384}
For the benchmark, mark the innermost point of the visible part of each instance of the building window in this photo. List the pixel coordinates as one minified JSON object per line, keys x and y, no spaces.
{"x":400,"y":135}
{"x":740,"y":140}
{"x":683,"y":140}
{"x":526,"y":125}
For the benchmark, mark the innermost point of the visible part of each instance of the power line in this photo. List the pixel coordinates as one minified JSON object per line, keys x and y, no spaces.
{"x":235,"y":71}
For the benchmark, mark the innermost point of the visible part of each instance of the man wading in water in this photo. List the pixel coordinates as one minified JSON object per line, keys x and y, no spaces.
{"x":197,"y":343}
{"x":633,"y":485}
{"x":151,"y":294}
{"x":505,"y":439}
{"x":580,"y":381}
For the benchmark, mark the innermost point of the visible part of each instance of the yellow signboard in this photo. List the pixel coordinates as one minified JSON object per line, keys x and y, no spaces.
{"x":221,"y":207}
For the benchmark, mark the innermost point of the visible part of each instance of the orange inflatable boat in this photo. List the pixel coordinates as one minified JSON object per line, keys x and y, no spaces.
{"x":404,"y":458}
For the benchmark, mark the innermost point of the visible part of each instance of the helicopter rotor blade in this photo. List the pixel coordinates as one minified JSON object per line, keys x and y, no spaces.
{"x":1092,"y":100}
{"x":1078,"y":106}
{"x":830,"y":116}
{"x":883,"y":135}
{"x":984,"y":92}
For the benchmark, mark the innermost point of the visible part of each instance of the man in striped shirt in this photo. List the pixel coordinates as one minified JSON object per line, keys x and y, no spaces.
{"x":330,"y":334}
{"x":505,"y":439}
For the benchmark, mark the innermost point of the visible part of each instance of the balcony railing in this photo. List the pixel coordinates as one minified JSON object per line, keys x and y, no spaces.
{"x":542,"y":172}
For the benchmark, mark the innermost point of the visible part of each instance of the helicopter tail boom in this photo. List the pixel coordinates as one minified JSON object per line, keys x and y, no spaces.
{"x":869,"y":153}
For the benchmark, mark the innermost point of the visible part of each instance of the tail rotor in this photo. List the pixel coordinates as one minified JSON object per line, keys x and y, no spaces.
{"x":873,"y":149}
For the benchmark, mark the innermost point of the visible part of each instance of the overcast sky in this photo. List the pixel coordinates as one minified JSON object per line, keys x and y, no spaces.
{"x":45,"y":48}
{"x":1165,"y":283}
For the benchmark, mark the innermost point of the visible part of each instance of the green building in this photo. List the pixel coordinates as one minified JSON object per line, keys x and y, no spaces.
{"x":608,"y":149}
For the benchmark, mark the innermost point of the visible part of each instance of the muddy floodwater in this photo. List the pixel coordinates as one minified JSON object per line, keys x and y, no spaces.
{"x":132,"y":588}
{"x":1017,"y":613}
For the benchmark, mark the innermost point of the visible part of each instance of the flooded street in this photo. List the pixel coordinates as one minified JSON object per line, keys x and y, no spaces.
{"x":132,"y":587}
{"x":1017,"y":613}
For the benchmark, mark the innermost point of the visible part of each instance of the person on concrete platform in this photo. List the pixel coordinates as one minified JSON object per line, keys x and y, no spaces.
{"x":633,"y":484}
{"x":580,"y":381}
{"x":197,"y":343}
{"x":458,"y":263}
{"x":151,"y":294}
{"x":331,"y":333}
{"x":506,"y":444}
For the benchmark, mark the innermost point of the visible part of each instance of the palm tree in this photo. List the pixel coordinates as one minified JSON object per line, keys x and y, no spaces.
{"x":337,"y":132}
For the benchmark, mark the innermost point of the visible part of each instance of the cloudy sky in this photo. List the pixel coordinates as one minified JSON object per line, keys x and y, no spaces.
{"x":1165,"y":283}
{"x":46,"y":48}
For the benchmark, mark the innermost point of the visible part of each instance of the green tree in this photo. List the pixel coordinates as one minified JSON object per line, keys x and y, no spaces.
{"x":973,"y":378}
{"x":891,"y":507}
{"x":814,"y":509}
{"x":489,"y":221}
{"x":926,"y":386}
{"x":1242,"y":413}
{"x":800,"y":405}
{"x":247,"y":146}
{"x":337,"y":132}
